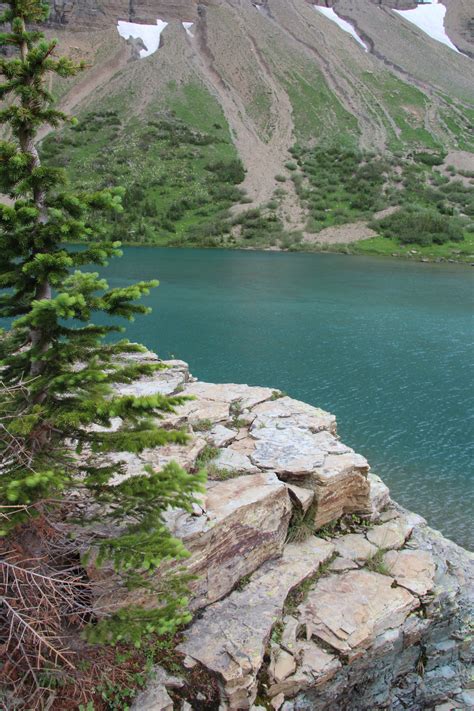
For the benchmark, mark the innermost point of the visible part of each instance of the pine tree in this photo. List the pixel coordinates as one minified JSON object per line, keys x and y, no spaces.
{"x":60,"y":371}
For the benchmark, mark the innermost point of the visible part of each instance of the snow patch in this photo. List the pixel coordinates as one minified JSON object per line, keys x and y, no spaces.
{"x":343,"y":24}
{"x":187,"y":26}
{"x":149,"y":34}
{"x":430,"y":19}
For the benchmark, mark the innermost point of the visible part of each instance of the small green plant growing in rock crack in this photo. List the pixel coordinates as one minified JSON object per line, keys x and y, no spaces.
{"x":328,"y":531}
{"x":243,"y":582}
{"x":236,"y":409}
{"x":301,"y":525}
{"x":277,"y":632}
{"x":215,"y":473}
{"x":361,"y":521}
{"x":299,"y":594}
{"x":206,"y":455}
{"x":376,"y":563}
{"x":277,"y":395}
{"x":203,"y":426}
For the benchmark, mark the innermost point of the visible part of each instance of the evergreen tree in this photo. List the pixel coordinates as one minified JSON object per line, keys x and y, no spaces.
{"x":59,"y":370}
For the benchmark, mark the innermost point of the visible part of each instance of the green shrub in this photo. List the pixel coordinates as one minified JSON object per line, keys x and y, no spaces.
{"x":429,"y":158}
{"x":415,"y":225}
{"x":231,"y":171}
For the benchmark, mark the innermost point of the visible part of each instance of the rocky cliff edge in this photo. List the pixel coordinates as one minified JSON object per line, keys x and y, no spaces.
{"x":314,"y":590}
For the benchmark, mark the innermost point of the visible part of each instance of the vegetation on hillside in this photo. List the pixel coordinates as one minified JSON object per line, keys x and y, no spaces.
{"x":338,"y":187}
{"x":61,"y":460}
{"x":181,"y":182}
{"x":180,"y":172}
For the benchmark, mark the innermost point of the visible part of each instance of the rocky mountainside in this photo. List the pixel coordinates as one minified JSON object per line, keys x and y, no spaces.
{"x":260,"y":81}
{"x":314,"y":591}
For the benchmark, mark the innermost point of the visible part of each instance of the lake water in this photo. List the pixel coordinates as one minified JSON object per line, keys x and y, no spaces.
{"x":386,"y":345}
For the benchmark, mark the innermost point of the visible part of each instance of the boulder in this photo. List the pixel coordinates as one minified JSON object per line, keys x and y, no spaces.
{"x":287,"y":451}
{"x":318,"y":461}
{"x":349,"y":611}
{"x":319,"y":664}
{"x":230,"y":637}
{"x":154,"y":698}
{"x":244,"y":522}
{"x":315,"y":667}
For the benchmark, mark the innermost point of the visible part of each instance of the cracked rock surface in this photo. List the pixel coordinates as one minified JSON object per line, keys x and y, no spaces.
{"x":365,"y":608}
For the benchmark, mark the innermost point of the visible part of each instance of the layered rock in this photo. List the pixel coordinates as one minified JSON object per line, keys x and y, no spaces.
{"x":369,"y":612}
{"x":90,"y":14}
{"x":230,"y":638}
{"x":244,"y":524}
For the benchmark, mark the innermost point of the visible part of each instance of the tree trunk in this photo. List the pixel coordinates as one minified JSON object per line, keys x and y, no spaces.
{"x":43,"y":291}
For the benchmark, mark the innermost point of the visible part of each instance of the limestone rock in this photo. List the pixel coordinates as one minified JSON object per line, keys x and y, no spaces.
{"x":392,"y":534}
{"x":230,"y":637}
{"x":289,"y":634}
{"x":245,"y":524}
{"x":339,"y":565}
{"x":195,"y":411}
{"x":287,"y":451}
{"x":232,"y":461}
{"x":282,"y":664}
{"x":244,"y":445}
{"x":319,"y":461}
{"x":355,"y":546}
{"x":278,"y":701}
{"x":341,"y":487}
{"x":315,"y":667}
{"x":168,"y":381}
{"x":245,"y":395}
{"x":154,"y":698}
{"x":286,"y":412}
{"x":291,"y":686}
{"x":379,"y":494}
{"x":349,"y":611}
{"x":315,"y":661}
{"x":414,"y":570}
{"x":303,"y":497}
{"x":184,"y":454}
{"x":220,"y":436}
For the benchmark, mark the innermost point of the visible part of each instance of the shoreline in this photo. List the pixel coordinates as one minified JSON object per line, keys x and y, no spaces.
{"x":342,"y":249}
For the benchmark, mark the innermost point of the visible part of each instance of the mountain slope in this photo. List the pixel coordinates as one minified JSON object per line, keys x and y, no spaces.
{"x":282,"y":74}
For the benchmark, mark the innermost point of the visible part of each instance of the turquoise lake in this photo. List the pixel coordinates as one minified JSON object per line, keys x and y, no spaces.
{"x":386,"y":345}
